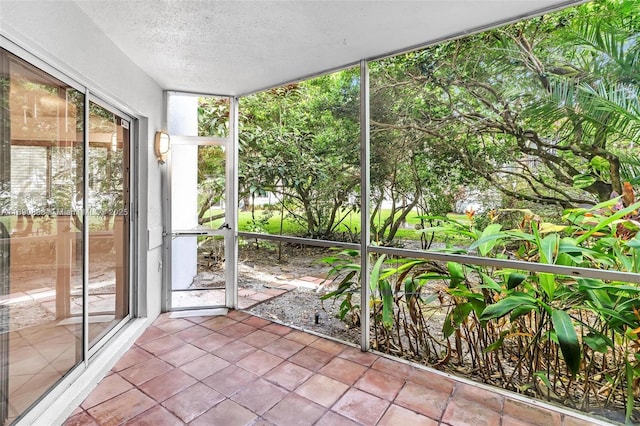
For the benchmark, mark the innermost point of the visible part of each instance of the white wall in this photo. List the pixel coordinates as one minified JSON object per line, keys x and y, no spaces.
{"x":61,"y":35}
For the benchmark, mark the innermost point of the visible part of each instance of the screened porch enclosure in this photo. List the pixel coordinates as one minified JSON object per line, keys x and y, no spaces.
{"x":497,"y":208}
{"x":449,"y":189}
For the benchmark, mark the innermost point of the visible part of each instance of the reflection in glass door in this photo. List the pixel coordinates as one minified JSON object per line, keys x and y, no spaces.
{"x":197,"y":225}
{"x":108,"y":219}
{"x":41,"y":240}
{"x":64,"y":192}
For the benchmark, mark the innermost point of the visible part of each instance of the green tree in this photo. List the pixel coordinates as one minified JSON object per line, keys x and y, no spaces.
{"x":409,"y":174}
{"x":211,"y":181}
{"x":546,"y":110}
{"x":301,"y":143}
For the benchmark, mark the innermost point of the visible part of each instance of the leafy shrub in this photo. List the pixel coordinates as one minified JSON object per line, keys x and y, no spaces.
{"x":564,"y":338}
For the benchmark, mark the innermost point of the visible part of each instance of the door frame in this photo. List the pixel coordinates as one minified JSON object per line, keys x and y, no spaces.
{"x":230,"y":145}
{"x":130,"y":270}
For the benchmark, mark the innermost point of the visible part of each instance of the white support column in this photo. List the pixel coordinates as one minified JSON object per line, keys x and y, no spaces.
{"x":182,"y":114}
{"x":231,"y":211}
{"x":365,"y":234}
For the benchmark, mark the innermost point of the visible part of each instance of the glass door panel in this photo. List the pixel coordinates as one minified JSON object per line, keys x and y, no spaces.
{"x":197,"y":225}
{"x":41,"y":177}
{"x":108,"y":216}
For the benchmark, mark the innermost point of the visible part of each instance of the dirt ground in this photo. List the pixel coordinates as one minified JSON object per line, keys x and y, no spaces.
{"x":267,"y":265}
{"x":298,"y":307}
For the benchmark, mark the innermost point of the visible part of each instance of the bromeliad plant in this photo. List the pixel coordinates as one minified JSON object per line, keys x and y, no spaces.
{"x":569,"y":339}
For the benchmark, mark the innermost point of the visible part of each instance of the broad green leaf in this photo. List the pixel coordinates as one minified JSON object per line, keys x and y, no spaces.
{"x":521,"y":236}
{"x":569,"y":251}
{"x":548,"y":283}
{"x":454,"y":318}
{"x":593,"y":284}
{"x":488,"y":282}
{"x":568,"y":339}
{"x":568,"y":245}
{"x":431,"y":276}
{"x":375,"y":274}
{"x":429,"y":299}
{"x":515,"y":279}
{"x":506,"y":305}
{"x":456,"y":273}
{"x":487,"y":241}
{"x":387,"y":303}
{"x":627,"y":306}
{"x":598,"y":342}
{"x":405,"y":266}
{"x":447,"y":326}
{"x":630,"y":399}
{"x":626,"y":261}
{"x":542,"y":375}
{"x":605,"y":204}
{"x":410,"y":289}
{"x":565,"y":259}
{"x":615,"y":319}
{"x":478,"y":305}
{"x":486,"y":247}
{"x":497,"y":344}
{"x":521,"y":310}
{"x":598,"y":299}
{"x":607,"y":242}
{"x":345,"y":286}
{"x":549,"y":248}
{"x":461,"y":312}
{"x":465,"y":293}
{"x":635,"y":243}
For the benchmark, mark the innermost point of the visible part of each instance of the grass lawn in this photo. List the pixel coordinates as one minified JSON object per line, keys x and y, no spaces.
{"x":351,"y":223}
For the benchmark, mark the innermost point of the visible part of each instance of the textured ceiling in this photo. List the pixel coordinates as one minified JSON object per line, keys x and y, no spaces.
{"x":237,"y":47}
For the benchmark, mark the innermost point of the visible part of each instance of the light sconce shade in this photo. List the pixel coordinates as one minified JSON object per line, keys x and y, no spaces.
{"x":162,"y":146}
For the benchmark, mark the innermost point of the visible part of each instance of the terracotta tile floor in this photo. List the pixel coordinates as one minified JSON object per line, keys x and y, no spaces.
{"x":243,"y":370}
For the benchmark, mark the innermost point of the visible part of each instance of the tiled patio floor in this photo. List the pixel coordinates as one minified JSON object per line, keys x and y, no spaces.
{"x":243,"y":370}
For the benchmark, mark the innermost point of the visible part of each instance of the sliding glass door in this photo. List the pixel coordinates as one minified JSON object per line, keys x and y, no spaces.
{"x":108,"y":220}
{"x":64,"y":230}
{"x":41,"y":153}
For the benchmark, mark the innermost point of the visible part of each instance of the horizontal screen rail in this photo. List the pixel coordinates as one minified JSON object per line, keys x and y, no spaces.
{"x":298,"y":240}
{"x":449,"y":257}
{"x":512,"y":264}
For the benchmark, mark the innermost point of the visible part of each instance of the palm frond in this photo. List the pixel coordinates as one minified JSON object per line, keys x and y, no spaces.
{"x":630,"y":167}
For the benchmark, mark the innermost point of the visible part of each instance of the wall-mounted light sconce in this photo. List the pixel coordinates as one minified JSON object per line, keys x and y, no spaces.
{"x":162,"y":146}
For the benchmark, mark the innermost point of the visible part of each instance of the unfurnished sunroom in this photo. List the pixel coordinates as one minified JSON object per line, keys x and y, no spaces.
{"x":185,"y":181}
